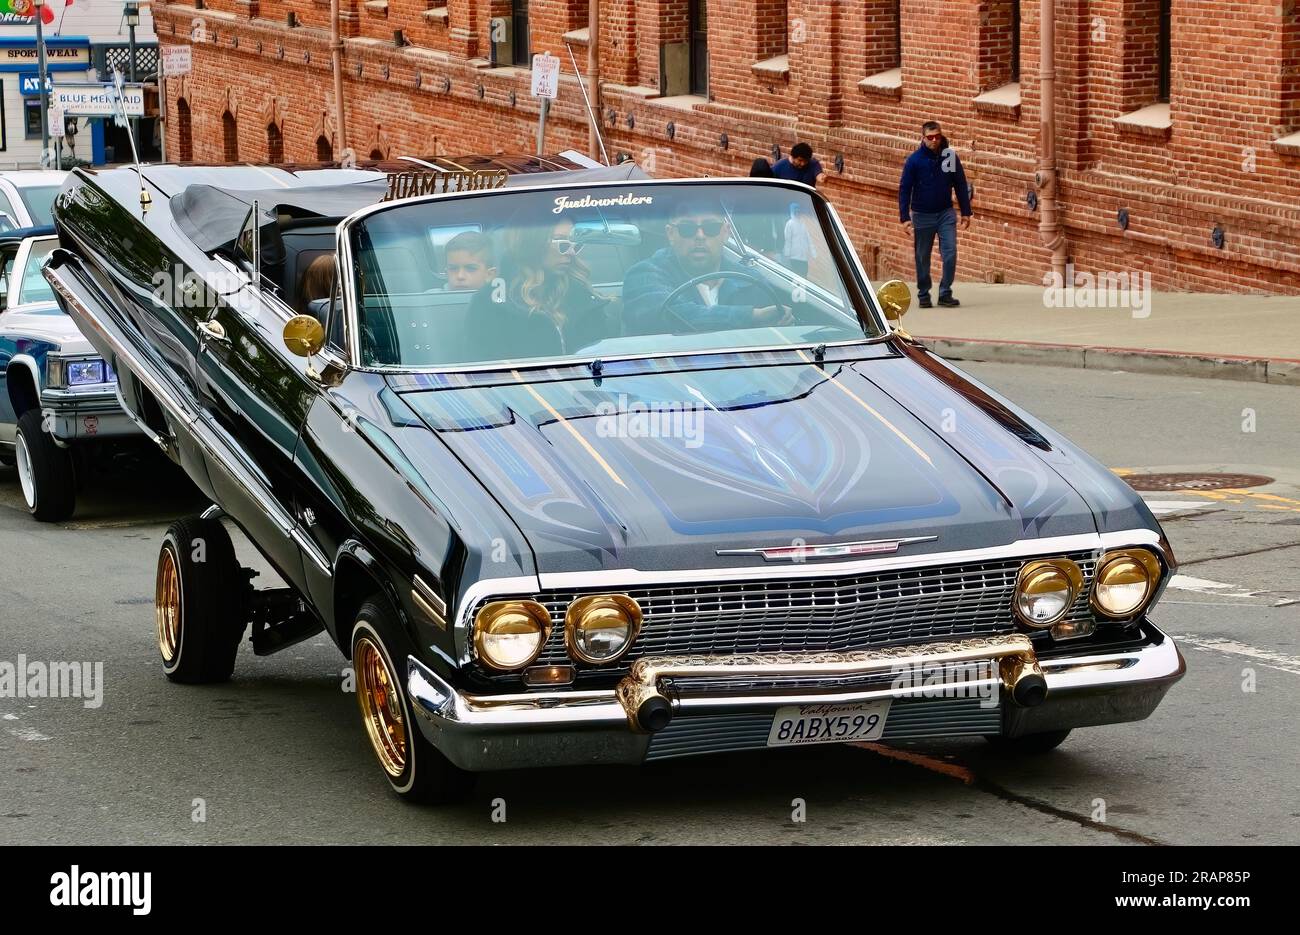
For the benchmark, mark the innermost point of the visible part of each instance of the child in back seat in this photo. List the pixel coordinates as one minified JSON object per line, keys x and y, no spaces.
{"x":470,"y":261}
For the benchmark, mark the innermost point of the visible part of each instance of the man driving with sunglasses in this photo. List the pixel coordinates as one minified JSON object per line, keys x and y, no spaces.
{"x":697,"y":231}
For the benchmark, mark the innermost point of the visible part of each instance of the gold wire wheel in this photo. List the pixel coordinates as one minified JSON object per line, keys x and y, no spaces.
{"x":167,"y":605}
{"x":381,"y":709}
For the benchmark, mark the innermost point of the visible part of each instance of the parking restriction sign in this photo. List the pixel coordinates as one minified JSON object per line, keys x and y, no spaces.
{"x":546,"y":75}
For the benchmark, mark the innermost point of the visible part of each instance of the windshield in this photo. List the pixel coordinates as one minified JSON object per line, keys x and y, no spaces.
{"x":39,"y":200}
{"x":592,"y":272}
{"x":33,"y":287}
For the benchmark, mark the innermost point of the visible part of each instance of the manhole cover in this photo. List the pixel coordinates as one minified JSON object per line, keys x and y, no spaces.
{"x":1195,"y":481}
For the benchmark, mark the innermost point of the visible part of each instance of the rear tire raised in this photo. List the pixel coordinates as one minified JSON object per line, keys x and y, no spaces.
{"x":200,"y":604}
{"x":415,"y":769}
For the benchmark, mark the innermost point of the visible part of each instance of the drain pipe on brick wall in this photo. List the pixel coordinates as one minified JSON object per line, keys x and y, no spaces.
{"x":1050,"y":227}
{"x":336,"y":57}
{"x":594,"y":147}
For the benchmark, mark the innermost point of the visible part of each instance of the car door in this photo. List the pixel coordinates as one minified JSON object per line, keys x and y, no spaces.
{"x":254,"y":397}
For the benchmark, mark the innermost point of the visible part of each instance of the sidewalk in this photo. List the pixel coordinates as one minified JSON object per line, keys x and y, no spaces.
{"x":1232,"y":337}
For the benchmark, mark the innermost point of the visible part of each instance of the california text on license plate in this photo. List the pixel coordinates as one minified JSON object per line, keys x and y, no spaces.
{"x":828,"y":723}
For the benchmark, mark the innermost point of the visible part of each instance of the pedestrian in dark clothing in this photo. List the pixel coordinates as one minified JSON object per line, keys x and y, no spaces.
{"x":931,"y":176}
{"x":800,"y":166}
{"x":761,"y":169}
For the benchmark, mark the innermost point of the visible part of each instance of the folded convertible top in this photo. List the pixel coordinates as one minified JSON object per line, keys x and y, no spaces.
{"x":212,"y":217}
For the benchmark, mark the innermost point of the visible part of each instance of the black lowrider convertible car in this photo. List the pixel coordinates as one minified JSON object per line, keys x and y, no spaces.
{"x":578,"y":467}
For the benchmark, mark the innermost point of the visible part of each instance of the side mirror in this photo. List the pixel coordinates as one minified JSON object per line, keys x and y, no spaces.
{"x":304,"y":335}
{"x":895,"y":299}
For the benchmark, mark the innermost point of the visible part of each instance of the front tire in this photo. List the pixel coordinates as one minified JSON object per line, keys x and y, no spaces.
{"x":200,"y":604}
{"x":45,"y":472}
{"x":1030,"y":743}
{"x":414,"y":768}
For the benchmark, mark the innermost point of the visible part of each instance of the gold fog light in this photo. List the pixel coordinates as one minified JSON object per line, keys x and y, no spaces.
{"x":1125,"y":581}
{"x":601,"y":628}
{"x":509,"y":635}
{"x":1046,"y":590}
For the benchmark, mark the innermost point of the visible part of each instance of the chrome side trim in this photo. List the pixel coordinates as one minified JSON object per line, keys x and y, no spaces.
{"x":431,"y":596}
{"x":311,"y":550}
{"x":430,"y":604}
{"x":212,"y":512}
{"x":427,"y":609}
{"x":162,"y":443}
{"x":210,"y":442}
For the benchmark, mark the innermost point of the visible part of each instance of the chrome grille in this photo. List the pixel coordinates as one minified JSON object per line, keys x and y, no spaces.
{"x":911,"y":719}
{"x":818,"y":614}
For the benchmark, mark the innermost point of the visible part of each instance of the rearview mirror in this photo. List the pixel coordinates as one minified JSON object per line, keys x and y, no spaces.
{"x":895,"y":299}
{"x":618,"y":235}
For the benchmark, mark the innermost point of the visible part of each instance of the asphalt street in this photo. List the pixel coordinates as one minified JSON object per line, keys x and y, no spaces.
{"x":278,"y":755}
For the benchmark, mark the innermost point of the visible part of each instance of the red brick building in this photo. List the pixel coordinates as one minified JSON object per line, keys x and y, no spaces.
{"x":1176,"y":132}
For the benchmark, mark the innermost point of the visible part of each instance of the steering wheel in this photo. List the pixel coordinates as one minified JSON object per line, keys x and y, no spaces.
{"x":763,"y":284}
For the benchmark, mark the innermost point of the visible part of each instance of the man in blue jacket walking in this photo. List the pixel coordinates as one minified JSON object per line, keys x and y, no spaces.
{"x":930,"y":177}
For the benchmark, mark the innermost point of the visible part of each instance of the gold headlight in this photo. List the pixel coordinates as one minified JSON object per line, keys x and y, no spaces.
{"x":1125,"y":581}
{"x":601,"y":628}
{"x":510,"y":634}
{"x":1046,"y":590}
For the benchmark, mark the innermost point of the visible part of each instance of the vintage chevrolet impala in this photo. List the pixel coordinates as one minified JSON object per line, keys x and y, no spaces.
{"x":578,"y":467}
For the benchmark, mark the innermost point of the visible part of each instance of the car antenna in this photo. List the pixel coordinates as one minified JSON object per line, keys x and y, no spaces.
{"x":119,"y":118}
{"x":591,"y":116}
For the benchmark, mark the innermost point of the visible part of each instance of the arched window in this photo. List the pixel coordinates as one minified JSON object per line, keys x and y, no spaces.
{"x":274,"y":144}
{"x":184,"y":132}
{"x":324,"y":149}
{"x":229,"y":137}
{"x":376,"y":154}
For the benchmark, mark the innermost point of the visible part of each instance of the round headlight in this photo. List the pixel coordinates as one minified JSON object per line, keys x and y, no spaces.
{"x":601,"y":628}
{"x":1045,"y":591}
{"x":510,"y":634}
{"x":1124,"y":582}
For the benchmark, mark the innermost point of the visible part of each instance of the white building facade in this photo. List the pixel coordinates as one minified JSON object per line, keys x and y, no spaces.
{"x":84,"y":41}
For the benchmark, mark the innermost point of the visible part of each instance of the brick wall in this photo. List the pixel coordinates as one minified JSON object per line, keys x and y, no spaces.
{"x":1235,"y":90}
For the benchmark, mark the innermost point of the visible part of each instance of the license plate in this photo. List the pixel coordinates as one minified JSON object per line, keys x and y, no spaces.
{"x":828,"y":723}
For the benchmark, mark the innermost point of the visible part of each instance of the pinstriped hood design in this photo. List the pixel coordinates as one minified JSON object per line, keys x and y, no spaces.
{"x":658,"y":471}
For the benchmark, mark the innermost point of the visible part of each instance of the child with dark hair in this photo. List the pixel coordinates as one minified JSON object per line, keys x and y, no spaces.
{"x":470,"y":261}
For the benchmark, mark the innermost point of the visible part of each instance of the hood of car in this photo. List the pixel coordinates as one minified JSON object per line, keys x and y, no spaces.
{"x":666,"y":470}
{"x":43,"y":323}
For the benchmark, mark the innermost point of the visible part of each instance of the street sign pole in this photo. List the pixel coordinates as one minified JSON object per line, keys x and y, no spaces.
{"x":45,"y":95}
{"x":541,"y":126}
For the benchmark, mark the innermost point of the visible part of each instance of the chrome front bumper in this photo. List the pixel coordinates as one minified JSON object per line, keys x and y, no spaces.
{"x":484,"y":732}
{"x":79,"y":415}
